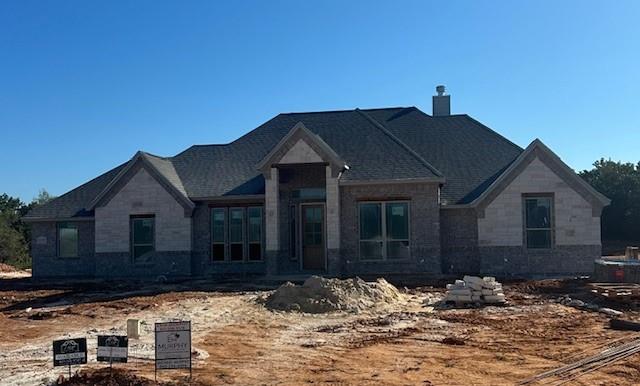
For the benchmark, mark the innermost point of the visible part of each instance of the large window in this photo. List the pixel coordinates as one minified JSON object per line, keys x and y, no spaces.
{"x":67,"y":240}
{"x":538,"y":221}
{"x":142,"y":238}
{"x":254,"y":233}
{"x":237,"y":233}
{"x":384,"y":230}
{"x":293,"y":233}
{"x":218,"y":220}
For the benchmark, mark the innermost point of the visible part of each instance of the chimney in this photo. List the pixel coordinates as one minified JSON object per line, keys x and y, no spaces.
{"x":441,"y":103}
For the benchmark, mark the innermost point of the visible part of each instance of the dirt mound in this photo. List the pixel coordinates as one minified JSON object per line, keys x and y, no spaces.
{"x":319,"y":295}
{"x":118,"y":377}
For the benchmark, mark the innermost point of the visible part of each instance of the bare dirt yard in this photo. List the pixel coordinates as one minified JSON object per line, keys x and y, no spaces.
{"x":237,"y":340}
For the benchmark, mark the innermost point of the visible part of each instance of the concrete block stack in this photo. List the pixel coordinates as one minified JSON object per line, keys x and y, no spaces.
{"x":473,"y":289}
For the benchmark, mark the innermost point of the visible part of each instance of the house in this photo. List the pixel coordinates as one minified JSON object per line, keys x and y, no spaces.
{"x":371,"y":191}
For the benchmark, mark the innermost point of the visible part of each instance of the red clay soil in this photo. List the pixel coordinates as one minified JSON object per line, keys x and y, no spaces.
{"x":117,"y":377}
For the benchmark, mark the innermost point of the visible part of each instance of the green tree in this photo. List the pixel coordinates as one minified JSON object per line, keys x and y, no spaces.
{"x":13,"y":232}
{"x":621,"y":183}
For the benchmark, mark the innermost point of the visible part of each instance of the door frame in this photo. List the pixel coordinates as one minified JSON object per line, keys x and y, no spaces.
{"x":300,"y":232}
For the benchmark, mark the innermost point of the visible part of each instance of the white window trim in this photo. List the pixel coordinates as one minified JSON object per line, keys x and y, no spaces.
{"x":385,"y":240}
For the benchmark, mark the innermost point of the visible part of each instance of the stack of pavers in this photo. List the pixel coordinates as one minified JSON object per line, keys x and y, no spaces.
{"x":473,"y":289}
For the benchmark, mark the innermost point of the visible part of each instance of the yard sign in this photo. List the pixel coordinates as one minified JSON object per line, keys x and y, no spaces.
{"x":113,"y":348}
{"x":67,"y":352}
{"x":173,"y":345}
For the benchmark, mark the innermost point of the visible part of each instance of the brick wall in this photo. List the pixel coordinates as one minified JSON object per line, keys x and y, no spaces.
{"x":459,"y":237}
{"x":44,"y":251}
{"x":424,"y":227}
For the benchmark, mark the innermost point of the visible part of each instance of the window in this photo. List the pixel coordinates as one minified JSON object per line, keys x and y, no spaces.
{"x":293,"y":230}
{"x":538,"y":222}
{"x":254,"y":232}
{"x":384,"y":230}
{"x":142,"y":238}
{"x":218,"y":220}
{"x":67,"y":240}
{"x":236,"y":234}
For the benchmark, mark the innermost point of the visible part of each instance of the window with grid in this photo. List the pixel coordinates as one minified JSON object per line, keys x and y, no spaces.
{"x":218,"y":245}
{"x":384,"y":230}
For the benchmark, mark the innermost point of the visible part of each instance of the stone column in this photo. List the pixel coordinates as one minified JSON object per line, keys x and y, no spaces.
{"x":272,"y":234}
{"x":333,"y":222}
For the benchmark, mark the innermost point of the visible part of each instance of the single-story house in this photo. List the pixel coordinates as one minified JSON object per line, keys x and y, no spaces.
{"x":364,"y":191}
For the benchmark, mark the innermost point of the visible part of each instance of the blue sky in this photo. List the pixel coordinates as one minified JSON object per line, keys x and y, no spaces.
{"x":85,"y":84}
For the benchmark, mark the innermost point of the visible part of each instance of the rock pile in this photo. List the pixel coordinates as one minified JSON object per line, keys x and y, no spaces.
{"x":473,"y":289}
{"x":319,"y":295}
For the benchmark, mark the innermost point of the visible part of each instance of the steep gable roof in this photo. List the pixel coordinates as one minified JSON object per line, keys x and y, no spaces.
{"x":160,"y":168}
{"x":469,"y":154}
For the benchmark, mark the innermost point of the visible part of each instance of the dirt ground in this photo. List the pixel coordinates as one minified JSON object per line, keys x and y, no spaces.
{"x":236,"y":340}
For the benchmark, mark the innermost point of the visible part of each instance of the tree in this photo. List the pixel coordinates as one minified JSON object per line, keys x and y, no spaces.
{"x":42,"y":198}
{"x":621,"y":183}
{"x":13,"y":232}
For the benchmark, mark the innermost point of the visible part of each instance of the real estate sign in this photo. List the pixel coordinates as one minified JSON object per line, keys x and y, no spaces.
{"x":113,"y":348}
{"x":173,"y":345}
{"x":67,"y":352}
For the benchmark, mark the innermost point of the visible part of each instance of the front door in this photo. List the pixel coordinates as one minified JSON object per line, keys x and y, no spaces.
{"x":313,"y":253}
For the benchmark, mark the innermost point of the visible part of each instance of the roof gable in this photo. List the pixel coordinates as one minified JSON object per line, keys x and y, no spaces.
{"x":300,"y":145}
{"x":538,"y":150}
{"x":160,"y":169}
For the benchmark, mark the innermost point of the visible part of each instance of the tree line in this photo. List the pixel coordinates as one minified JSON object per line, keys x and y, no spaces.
{"x":14,"y":233}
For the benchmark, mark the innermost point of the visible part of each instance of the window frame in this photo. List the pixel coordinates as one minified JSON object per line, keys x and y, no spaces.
{"x":245,"y":233}
{"x":224,"y":234}
{"x":59,"y":226}
{"x":262,"y":234}
{"x":552,"y":224}
{"x":385,"y":240}
{"x":132,"y":244}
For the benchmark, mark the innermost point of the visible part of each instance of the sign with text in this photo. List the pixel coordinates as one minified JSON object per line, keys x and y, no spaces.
{"x":113,"y":348}
{"x":67,"y":352}
{"x":173,"y":345}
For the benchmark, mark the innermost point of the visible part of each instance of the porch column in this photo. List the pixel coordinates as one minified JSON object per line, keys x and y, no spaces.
{"x":333,"y":222}
{"x":271,"y":199}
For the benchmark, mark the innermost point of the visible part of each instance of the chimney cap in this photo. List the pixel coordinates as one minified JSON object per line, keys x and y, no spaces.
{"x":440,"y":89}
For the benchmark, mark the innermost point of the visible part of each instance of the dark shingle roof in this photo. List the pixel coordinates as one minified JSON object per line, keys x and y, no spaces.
{"x":376,"y":144}
{"x":469,"y":154}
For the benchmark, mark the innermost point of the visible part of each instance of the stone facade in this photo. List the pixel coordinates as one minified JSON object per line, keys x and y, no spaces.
{"x":424,"y":227}
{"x":44,"y":251}
{"x":142,"y":195}
{"x":574,"y":220}
{"x":576,"y":228}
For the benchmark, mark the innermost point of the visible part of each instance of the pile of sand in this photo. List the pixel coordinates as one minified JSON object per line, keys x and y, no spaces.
{"x":318,"y":295}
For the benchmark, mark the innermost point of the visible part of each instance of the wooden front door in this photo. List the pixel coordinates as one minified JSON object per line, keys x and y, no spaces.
{"x":313,"y":252}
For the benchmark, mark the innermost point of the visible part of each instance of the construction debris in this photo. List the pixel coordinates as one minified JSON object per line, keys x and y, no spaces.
{"x":624,"y":325}
{"x":319,"y":295}
{"x":579,"y":304}
{"x":473,"y":289}
{"x":604,"y":358}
